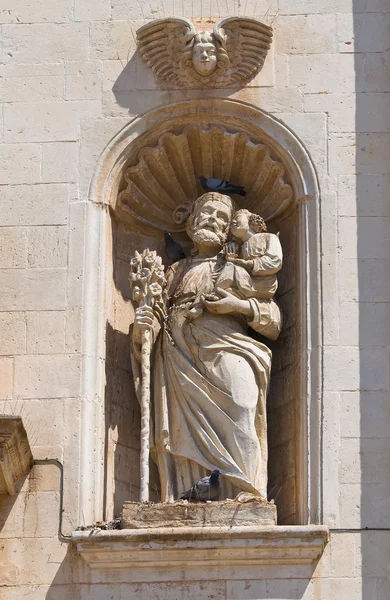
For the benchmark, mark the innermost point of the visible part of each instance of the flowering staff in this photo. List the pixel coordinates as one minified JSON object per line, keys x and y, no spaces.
{"x":147,"y":281}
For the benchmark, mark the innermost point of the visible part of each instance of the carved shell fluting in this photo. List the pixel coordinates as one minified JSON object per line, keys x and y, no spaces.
{"x":160,"y":188}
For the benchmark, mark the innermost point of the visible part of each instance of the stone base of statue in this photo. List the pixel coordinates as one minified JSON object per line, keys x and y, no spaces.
{"x":228,"y":513}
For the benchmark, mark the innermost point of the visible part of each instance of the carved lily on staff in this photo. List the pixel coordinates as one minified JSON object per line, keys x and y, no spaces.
{"x":148,"y":281}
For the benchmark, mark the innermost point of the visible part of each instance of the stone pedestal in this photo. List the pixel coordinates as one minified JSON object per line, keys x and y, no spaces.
{"x":137,"y":515}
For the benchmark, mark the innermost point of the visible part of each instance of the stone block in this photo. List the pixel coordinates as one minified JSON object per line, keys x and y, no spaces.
{"x":48,"y":121}
{"x":47,"y":376}
{"x":363,"y":195}
{"x":380,"y":6}
{"x":6,"y":378}
{"x":372,"y":154}
{"x":40,"y":592}
{"x":94,"y":135}
{"x":38,"y":70}
{"x":298,"y":589}
{"x":329,"y":73}
{"x":13,"y":247}
{"x":364,"y":324}
{"x":309,"y":34}
{"x":15,"y":454}
{"x":365,"y":280}
{"x":27,"y":562}
{"x":353,"y":32}
{"x":347,"y":369}
{"x":383,"y":588}
{"x":32,"y":89}
{"x":12,"y":333}
{"x":320,"y":6}
{"x":206,"y":590}
{"x":339,"y":558}
{"x":44,"y":423}
{"x":374,"y":551}
{"x":83,"y":80}
{"x":32,"y":289}
{"x":98,"y":10}
{"x":118,"y":77}
{"x":30,"y":11}
{"x":33,"y":515}
{"x":365,"y":414}
{"x":340,"y":108}
{"x":34,"y":205}
{"x":376,"y":74}
{"x":60,"y":162}
{"x":365,"y":461}
{"x":343,"y":154}
{"x":45,"y":42}
{"x":113,"y":40}
{"x":20,"y":163}
{"x":311,"y":129}
{"x":364,"y":237}
{"x":274,"y":100}
{"x":120,"y":9}
{"x":353,"y":588}
{"x":45,"y":332}
{"x":48,"y":246}
{"x":136,"y":515}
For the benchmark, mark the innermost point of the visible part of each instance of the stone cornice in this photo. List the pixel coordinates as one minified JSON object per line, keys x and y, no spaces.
{"x":201,"y":546}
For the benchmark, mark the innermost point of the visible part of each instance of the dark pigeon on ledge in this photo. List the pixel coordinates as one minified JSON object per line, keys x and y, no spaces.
{"x":207,"y":488}
{"x":173,"y":249}
{"x":222,"y":186}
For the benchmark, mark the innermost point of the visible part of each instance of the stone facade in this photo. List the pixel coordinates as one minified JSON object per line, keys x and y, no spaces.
{"x":70,"y":81}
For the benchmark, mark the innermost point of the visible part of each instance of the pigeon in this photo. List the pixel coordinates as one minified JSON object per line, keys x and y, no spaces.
{"x":207,"y":488}
{"x":221,"y":185}
{"x":173,"y":249}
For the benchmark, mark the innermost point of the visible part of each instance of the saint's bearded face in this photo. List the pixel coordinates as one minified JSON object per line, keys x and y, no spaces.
{"x":211,"y":223}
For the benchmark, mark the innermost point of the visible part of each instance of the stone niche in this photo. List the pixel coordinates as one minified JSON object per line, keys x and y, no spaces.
{"x":148,"y":176}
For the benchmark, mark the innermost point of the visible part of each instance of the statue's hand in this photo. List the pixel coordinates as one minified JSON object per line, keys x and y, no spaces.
{"x":232,"y":249}
{"x":144,"y":321}
{"x":228,"y":304}
{"x":248,"y":265}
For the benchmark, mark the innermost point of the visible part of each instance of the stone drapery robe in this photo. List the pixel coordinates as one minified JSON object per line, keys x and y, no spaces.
{"x":210,"y":382}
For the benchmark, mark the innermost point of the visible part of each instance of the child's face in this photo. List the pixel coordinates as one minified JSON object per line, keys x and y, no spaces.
{"x":240,"y":225}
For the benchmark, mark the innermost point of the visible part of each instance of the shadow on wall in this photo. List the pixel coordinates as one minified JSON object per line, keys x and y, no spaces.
{"x":136,"y":90}
{"x":367,"y":491}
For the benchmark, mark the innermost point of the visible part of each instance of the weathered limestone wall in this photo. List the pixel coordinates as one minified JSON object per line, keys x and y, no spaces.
{"x":70,"y":80}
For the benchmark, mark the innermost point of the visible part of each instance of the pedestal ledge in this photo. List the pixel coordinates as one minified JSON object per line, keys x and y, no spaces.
{"x":201,"y":546}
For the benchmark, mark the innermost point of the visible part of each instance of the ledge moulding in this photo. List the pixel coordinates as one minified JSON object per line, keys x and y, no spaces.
{"x":15,"y":453}
{"x":201,"y":546}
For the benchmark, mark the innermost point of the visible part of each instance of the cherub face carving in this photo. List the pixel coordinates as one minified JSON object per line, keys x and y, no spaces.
{"x":204,"y":54}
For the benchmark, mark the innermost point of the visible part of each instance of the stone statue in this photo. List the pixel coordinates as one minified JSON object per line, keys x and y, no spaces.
{"x":229,"y":55}
{"x":210,"y":377}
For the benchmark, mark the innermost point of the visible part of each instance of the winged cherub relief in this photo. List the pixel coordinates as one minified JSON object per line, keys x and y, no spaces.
{"x":180,"y":56}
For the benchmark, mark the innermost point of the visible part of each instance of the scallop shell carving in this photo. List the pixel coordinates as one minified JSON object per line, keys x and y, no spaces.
{"x":161,"y":186}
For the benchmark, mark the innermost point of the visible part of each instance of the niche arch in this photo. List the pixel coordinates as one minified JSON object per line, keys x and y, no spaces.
{"x":295,"y":396}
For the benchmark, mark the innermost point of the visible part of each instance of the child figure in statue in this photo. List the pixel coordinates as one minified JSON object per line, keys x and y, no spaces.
{"x":257,"y":251}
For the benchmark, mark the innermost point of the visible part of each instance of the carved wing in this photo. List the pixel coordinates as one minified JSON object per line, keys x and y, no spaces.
{"x":162,"y":42}
{"x":247,"y":42}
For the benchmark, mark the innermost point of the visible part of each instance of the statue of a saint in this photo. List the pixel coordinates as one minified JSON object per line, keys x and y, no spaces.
{"x":209,"y":376}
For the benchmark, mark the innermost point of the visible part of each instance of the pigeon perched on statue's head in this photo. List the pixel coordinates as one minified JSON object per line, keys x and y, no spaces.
{"x":207,"y":488}
{"x":173,"y":249}
{"x":222,"y":186}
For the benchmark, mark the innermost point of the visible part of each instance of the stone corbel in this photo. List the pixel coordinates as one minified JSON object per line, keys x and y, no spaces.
{"x":15,"y":453}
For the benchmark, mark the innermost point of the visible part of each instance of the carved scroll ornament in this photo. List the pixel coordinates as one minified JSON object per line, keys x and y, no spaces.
{"x":180,"y":56}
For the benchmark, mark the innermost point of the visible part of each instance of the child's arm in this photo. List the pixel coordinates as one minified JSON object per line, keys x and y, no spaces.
{"x":271,"y":262}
